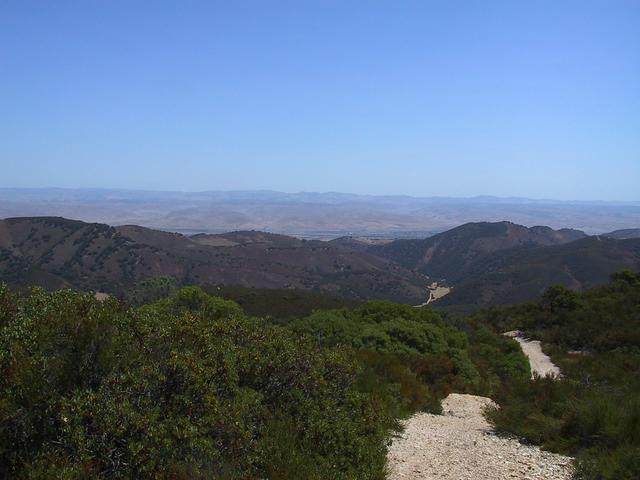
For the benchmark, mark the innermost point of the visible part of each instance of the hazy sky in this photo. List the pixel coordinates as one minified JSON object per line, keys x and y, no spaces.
{"x":524,"y":98}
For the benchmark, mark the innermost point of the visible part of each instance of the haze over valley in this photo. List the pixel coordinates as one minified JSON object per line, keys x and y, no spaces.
{"x":311,"y":215}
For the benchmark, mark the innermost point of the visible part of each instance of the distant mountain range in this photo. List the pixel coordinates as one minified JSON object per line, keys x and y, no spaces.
{"x":483,"y":263}
{"x":310,"y":215}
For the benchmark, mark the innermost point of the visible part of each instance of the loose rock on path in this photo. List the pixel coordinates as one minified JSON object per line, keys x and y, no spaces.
{"x":460,"y":445}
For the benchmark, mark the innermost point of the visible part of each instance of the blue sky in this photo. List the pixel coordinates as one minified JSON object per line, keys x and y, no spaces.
{"x":458,"y":98}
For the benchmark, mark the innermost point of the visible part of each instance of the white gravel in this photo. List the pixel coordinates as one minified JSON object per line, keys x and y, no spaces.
{"x":460,"y":445}
{"x":540,"y":362}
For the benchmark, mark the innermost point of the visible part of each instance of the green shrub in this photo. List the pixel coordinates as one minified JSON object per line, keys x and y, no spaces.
{"x":417,"y":356}
{"x":190,"y":387}
{"x":185,"y":388}
{"x":150,"y":290}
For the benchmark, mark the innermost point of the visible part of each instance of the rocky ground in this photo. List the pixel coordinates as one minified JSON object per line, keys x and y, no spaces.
{"x":460,"y":445}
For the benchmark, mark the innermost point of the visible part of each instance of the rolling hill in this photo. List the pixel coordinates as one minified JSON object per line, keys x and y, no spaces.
{"x":56,"y":252}
{"x":483,"y":263}
{"x":449,"y":255}
{"x":523,"y":273}
{"x":492,"y":263}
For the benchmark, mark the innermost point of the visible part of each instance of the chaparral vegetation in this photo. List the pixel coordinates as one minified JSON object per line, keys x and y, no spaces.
{"x":177,"y":383}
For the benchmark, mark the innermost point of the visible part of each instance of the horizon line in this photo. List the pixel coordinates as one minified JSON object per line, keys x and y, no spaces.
{"x":327,"y":192}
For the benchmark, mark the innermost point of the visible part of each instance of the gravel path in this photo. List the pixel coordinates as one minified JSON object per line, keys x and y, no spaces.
{"x":540,"y":362}
{"x":460,"y":445}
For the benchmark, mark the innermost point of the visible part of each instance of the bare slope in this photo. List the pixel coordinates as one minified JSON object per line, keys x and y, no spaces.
{"x":483,"y":263}
{"x":492,"y":263}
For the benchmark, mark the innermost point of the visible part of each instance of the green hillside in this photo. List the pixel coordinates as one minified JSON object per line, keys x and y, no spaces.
{"x":522,"y":274}
{"x":450,"y":254}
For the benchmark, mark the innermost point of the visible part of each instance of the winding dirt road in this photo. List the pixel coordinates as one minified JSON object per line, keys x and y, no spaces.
{"x":460,"y":444}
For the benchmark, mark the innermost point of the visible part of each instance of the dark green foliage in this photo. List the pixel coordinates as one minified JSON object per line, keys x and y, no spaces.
{"x":499,"y":359}
{"x":601,"y":319}
{"x":150,"y":290}
{"x":594,"y":411}
{"x":279,"y":303}
{"x":190,"y":387}
{"x":415,"y":356}
{"x":557,"y":299}
{"x":194,"y":299}
{"x":384,"y":327}
{"x":185,"y":388}
{"x":523,"y":273}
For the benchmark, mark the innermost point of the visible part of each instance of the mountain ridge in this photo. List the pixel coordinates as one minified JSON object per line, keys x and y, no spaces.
{"x":524,"y":273}
{"x":623,"y":234}
{"x":482,"y":262}
{"x":448,"y":254}
{"x":62,"y":252}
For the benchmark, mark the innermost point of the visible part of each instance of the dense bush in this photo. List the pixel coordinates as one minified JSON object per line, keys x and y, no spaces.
{"x":190,"y":387}
{"x":414,"y":350}
{"x":498,"y":359}
{"x":150,"y":290}
{"x":594,"y":410}
{"x":279,"y":304}
{"x":599,"y":320}
{"x":185,"y":388}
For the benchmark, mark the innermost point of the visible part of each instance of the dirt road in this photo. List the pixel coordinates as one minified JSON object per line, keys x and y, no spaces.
{"x":460,"y":445}
{"x":540,"y":362}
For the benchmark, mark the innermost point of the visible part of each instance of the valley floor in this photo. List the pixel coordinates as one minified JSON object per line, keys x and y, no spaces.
{"x":460,"y":445}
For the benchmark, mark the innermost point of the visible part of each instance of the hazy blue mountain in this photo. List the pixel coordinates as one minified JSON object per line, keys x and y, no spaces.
{"x":308,"y":214}
{"x":623,"y":234}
